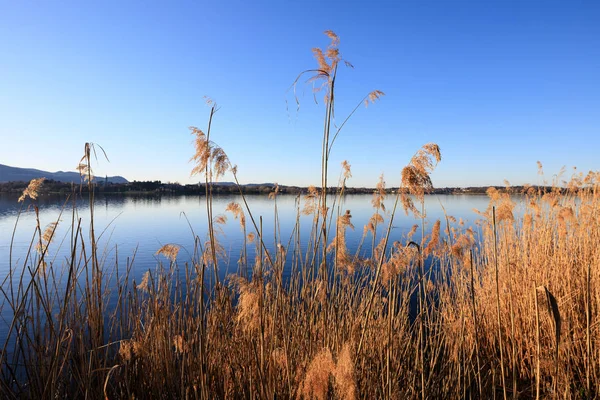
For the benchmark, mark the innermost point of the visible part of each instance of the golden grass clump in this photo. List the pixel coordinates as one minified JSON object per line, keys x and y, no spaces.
{"x":343,"y":374}
{"x":316,"y":381}
{"x":248,"y":310}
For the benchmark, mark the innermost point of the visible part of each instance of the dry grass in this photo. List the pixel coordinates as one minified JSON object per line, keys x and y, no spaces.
{"x":508,"y":307}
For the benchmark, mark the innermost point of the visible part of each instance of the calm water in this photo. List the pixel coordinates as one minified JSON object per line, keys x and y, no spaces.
{"x":134,"y":225}
{"x":130,"y":229}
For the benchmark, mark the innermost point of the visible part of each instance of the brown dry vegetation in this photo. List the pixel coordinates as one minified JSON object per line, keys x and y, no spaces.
{"x":511,"y":312}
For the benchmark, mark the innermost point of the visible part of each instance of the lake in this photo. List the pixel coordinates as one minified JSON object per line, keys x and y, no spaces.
{"x":130,"y":229}
{"x":140,"y":225}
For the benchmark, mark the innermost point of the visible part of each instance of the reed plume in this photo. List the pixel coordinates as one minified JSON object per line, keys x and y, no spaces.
{"x":32,"y":190}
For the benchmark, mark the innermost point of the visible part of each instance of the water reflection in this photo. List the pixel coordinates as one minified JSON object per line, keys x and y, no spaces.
{"x":142,"y":224}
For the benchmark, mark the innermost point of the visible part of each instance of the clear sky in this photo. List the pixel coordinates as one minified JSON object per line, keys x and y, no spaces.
{"x":498,"y":85}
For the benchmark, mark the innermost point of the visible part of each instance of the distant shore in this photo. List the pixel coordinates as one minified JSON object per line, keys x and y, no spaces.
{"x":159,"y":188}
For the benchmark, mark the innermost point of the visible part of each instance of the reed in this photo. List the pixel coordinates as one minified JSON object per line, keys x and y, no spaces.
{"x":341,"y":326}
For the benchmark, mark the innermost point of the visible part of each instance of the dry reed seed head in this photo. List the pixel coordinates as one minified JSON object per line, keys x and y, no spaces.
{"x":335,"y":40}
{"x":47,"y":237}
{"x":170,"y":251}
{"x":373,"y":96}
{"x":310,"y":206}
{"x":130,"y":349}
{"x":323,"y":65}
{"x":144,"y":284}
{"x":415,"y":176}
{"x":32,"y":190}
{"x":327,"y":62}
{"x":346,"y":170}
{"x":84,"y":171}
{"x":408,"y":205}
{"x":344,"y":261}
{"x":375,"y":220}
{"x":565,"y":215}
{"x":575,"y":183}
{"x":590,"y":179}
{"x":369,"y":227}
{"x":470,"y":234}
{"x":344,"y":220}
{"x":493,"y":193}
{"x":238,"y":213}
{"x":221,"y":162}
{"x":258,"y":262}
{"x":220,"y":252}
{"x":379,"y":194}
{"x":274,"y":193}
{"x":434,"y":241}
{"x":433,"y":150}
{"x":208,"y":155}
{"x":202,"y":151}
{"x":248,"y":311}
{"x":462,"y":244}
{"x":220,"y":219}
{"x":416,"y":180}
{"x":504,"y":212}
{"x":251,"y":237}
{"x":343,"y":374}
{"x":412,"y":231}
{"x":316,"y":381}
{"x":401,"y":257}
{"x":551,"y":198}
{"x":540,"y":168}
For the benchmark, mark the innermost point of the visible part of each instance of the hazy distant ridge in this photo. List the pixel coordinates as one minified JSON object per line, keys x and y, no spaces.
{"x":15,"y":174}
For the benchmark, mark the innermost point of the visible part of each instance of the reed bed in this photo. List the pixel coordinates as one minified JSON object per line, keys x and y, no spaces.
{"x":507,"y":308}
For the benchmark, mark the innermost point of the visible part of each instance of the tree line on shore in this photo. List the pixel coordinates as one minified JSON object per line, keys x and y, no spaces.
{"x":157,"y":187}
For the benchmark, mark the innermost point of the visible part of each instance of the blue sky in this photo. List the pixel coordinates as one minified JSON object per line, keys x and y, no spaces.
{"x":498,"y":85}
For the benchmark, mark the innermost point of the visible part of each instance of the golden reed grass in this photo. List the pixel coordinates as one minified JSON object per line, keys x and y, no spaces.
{"x":507,"y":307}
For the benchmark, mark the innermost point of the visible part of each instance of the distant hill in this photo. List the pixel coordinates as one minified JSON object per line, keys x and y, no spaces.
{"x":246,"y":184}
{"x":15,"y":174}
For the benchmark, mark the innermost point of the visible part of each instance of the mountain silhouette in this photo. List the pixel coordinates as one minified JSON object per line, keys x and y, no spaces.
{"x":15,"y":174}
